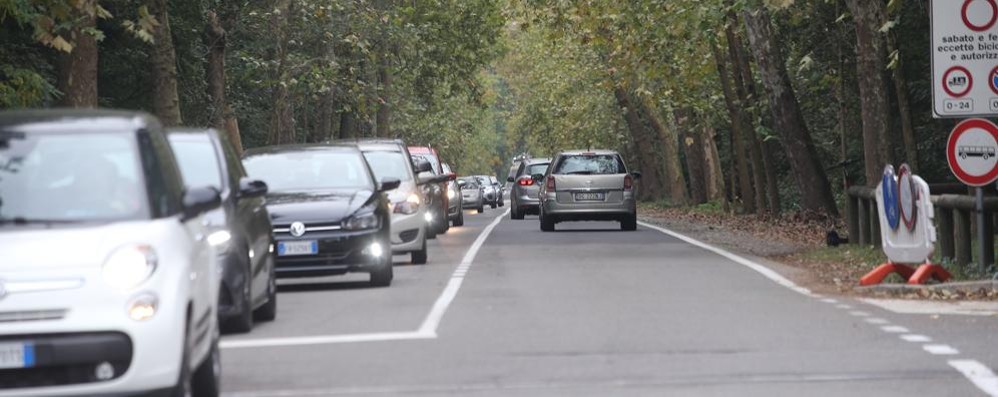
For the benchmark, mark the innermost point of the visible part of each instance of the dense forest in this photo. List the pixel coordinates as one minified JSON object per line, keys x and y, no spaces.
{"x":757,"y":107}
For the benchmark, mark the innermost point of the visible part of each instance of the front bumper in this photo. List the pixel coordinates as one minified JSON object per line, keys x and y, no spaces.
{"x":339,"y":252}
{"x":408,"y":231}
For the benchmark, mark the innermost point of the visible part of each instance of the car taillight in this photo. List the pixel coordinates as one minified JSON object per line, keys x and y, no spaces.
{"x":550,"y":183}
{"x":628,"y":182}
{"x":526,"y":182}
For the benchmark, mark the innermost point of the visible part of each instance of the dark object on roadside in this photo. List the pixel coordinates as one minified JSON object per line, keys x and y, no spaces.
{"x":832,"y":239}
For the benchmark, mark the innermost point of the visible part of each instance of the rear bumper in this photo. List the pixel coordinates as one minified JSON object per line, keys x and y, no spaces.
{"x":589,"y":210}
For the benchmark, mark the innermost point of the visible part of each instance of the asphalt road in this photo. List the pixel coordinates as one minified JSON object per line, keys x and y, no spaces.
{"x":590,"y":310}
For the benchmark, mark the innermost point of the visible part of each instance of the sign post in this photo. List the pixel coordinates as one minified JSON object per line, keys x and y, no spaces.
{"x":971,"y":153}
{"x":964,"y":58}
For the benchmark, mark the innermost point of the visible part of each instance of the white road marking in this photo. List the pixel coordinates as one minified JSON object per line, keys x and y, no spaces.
{"x":876,"y":320}
{"x":940,"y":349}
{"x":916,"y":338}
{"x":765,"y":271}
{"x":859,"y":313}
{"x":906,"y":306}
{"x":830,"y":300}
{"x":428,"y":329}
{"x":979,"y":374}
{"x":894,"y":329}
{"x":843,"y":306}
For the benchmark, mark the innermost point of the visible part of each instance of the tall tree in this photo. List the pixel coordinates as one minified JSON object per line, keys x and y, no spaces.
{"x":871,"y":58}
{"x":674,"y":182}
{"x":223,"y":118}
{"x":78,"y":66}
{"x":739,"y":131}
{"x":163,"y":62}
{"x":816,"y":193}
{"x":282,"y":124}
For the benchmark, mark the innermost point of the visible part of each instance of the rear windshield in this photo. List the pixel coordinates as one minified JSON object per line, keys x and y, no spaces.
{"x":539,"y":168}
{"x":592,"y":164}
{"x":470,"y":184}
{"x":79,"y":177}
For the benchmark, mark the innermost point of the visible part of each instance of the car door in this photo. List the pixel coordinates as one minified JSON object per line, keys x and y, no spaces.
{"x":250,"y":214}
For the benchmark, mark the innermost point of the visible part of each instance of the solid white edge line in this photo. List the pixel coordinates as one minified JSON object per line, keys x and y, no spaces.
{"x":978,"y":374}
{"x":436,"y":314}
{"x":765,"y":271}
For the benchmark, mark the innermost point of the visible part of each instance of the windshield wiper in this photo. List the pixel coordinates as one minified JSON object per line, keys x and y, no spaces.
{"x":22,"y":221}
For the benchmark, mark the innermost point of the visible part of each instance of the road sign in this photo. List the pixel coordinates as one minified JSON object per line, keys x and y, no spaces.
{"x":889,"y":190}
{"x":972,"y":152}
{"x":907,"y":195}
{"x":964,"y":58}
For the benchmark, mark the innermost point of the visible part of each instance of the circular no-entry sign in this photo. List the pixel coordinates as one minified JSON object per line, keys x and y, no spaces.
{"x":971,"y":152}
{"x":979,"y":15}
{"x":957,"y":81}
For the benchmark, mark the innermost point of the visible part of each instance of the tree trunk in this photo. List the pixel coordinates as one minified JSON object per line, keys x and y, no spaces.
{"x":348,"y":125}
{"x":651,"y":186}
{"x":78,"y":68}
{"x":674,"y":181}
{"x":769,"y":150}
{"x":712,"y":167}
{"x":384,"y":115}
{"x":904,"y":106}
{"x":693,"y":149}
{"x":222,"y":116}
{"x":816,"y":194}
{"x":282,"y":128}
{"x":739,"y":130}
{"x":871,"y":56}
{"x":324,"y":126}
{"x":163,"y":62}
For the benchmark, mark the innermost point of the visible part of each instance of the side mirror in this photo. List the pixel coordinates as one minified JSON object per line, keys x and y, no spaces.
{"x":510,"y":179}
{"x":389,"y":184}
{"x":252,"y":188}
{"x":451,"y":177}
{"x":422,"y":166}
{"x":462,"y":183}
{"x":537,"y":177}
{"x":636,"y":175}
{"x":199,"y":200}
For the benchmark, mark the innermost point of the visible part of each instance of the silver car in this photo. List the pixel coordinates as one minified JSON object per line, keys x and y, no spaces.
{"x":500,"y":191}
{"x":472,"y":194}
{"x":588,"y":186}
{"x":523,"y":194}
{"x":488,"y":190}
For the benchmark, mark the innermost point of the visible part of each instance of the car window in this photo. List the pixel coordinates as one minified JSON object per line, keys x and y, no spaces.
{"x":72,"y":177}
{"x":309,"y":170}
{"x":388,"y":164}
{"x":233,"y":163}
{"x":470,"y":184}
{"x":539,"y":168}
{"x":429,"y":159}
{"x":198,"y":161}
{"x":587,"y":164}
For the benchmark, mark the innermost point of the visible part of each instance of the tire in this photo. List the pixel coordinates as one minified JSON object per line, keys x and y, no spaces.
{"x":383,"y":277}
{"x":515,"y":213}
{"x":419,"y":257}
{"x":502,"y":202}
{"x":493,"y":205}
{"x":460,"y":218}
{"x":243,"y":322}
{"x":481,"y":208}
{"x":184,"y":386}
{"x":442,"y":221}
{"x":207,"y":378}
{"x":547,"y":224}
{"x":629,"y":224}
{"x":268,"y":312}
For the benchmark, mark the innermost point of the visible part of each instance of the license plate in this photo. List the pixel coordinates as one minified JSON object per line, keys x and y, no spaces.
{"x":291,"y":248}
{"x":600,"y":196}
{"x":17,"y":355}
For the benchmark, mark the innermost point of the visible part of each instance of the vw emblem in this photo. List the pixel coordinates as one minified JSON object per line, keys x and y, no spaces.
{"x":297,"y":229}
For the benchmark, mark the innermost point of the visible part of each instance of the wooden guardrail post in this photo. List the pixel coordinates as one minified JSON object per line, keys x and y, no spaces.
{"x":875,"y":239}
{"x":989,"y":241}
{"x":963,"y":237}
{"x":864,"y":221}
{"x":852,"y":218}
{"x":944,"y":235}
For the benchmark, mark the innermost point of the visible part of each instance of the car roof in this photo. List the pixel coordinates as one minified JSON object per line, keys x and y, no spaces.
{"x":77,"y":120}
{"x":583,"y":152}
{"x":315,"y":147}
{"x":538,"y":161}
{"x":422,"y":150}
{"x":187,"y":133}
{"x":372,"y":143}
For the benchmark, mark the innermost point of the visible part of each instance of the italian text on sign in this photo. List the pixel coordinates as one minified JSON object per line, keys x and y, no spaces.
{"x":964,"y":58}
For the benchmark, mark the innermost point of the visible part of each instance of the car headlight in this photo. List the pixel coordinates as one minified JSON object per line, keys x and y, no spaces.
{"x":451,"y":194}
{"x":220,"y":240}
{"x":129,"y":266}
{"x":361,"y":222}
{"x":409,"y":206}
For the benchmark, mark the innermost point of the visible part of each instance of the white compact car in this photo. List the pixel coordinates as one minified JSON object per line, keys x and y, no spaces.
{"x":108,"y":281}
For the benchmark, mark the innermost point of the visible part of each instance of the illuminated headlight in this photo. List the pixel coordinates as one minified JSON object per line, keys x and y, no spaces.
{"x":428,"y":216}
{"x":376,"y":250}
{"x":220,"y":239}
{"x":129,"y":266}
{"x":361,"y":222}
{"x":451,"y":194}
{"x":407,"y":207}
{"x":143,"y":307}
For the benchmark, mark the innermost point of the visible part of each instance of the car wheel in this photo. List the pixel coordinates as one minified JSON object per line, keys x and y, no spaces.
{"x":242,"y":322}
{"x":629,"y":224}
{"x":514,"y":212}
{"x":502,"y":202}
{"x":481,"y":208}
{"x":184,"y":386}
{"x":547,"y":224}
{"x":419,"y":257}
{"x":382,"y":277}
{"x":493,"y":205}
{"x":268,"y":312}
{"x":444,"y":225}
{"x":460,"y":218}
{"x":206,"y":381}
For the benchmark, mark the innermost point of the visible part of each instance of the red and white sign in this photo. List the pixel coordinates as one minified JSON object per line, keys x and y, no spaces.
{"x":972,"y":152}
{"x":964,"y":58}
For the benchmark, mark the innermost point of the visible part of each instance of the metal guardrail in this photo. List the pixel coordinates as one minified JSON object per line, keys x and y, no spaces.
{"x":954,"y":220}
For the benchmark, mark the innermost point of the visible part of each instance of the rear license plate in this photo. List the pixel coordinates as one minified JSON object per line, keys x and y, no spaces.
{"x":598,"y":196}
{"x":17,"y":355}
{"x":291,"y":248}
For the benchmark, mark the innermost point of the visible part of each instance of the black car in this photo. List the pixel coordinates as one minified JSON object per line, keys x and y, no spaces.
{"x":330,"y":214}
{"x":243,"y":239}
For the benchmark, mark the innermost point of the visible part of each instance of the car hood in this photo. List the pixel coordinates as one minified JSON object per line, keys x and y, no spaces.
{"x":315,"y":206}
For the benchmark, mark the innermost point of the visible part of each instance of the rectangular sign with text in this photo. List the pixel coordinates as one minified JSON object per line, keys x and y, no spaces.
{"x":964,"y":58}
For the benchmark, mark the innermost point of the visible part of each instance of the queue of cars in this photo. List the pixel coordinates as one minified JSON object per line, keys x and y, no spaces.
{"x":126,"y":249}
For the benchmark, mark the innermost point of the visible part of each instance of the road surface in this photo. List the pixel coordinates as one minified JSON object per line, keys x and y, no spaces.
{"x":505,"y":309}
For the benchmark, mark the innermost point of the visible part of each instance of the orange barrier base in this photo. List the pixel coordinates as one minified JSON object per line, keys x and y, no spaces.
{"x":927,"y":271}
{"x":881,"y":272}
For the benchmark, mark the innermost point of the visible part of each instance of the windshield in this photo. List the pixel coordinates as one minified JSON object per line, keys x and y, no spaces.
{"x":534,"y":169}
{"x":198,"y":162}
{"x":589,"y":165}
{"x":309,"y":170}
{"x":71,"y":178}
{"x":470,"y":183}
{"x":388,"y":164}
